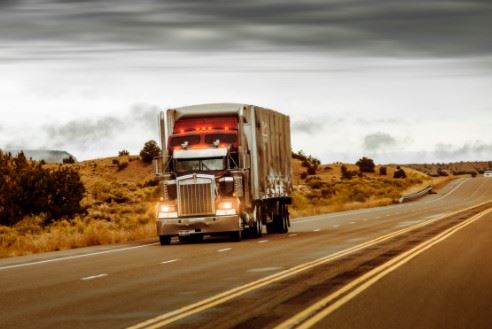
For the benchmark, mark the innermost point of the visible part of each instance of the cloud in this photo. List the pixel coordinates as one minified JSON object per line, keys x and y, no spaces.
{"x":378,"y":141}
{"x":315,"y":124}
{"x":307,"y":126}
{"x":477,"y":150}
{"x":84,"y":133}
{"x":407,"y":28}
{"x":144,"y":115}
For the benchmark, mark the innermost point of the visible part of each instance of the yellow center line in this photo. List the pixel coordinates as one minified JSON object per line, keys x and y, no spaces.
{"x":323,"y":308}
{"x":173,"y":316}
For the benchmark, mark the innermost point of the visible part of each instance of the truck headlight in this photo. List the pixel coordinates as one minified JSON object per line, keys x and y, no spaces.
{"x":225,"y":208}
{"x":167,"y":210}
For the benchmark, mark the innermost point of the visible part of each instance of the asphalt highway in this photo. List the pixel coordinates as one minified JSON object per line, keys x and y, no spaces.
{"x":264,"y":282}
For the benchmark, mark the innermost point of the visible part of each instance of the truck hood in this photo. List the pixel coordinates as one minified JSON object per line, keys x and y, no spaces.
{"x":200,"y":153}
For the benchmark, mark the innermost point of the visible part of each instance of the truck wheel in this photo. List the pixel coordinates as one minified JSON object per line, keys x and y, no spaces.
{"x":164,"y":240}
{"x":271,"y":227}
{"x":237,"y":236}
{"x":255,"y":231}
{"x":283,"y":224}
{"x":259,"y":233}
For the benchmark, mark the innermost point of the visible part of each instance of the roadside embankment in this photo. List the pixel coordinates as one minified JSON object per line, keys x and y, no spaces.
{"x":121,"y":197}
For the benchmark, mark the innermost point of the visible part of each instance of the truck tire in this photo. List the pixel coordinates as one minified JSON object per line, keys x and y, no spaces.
{"x":259,"y":233}
{"x":255,"y":231}
{"x":283,"y":223}
{"x":237,"y":236}
{"x":164,"y":240}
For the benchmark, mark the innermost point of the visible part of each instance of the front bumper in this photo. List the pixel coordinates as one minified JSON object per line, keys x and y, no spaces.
{"x":197,"y":225}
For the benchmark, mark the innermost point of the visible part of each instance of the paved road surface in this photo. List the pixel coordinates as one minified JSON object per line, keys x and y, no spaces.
{"x":120,"y":286}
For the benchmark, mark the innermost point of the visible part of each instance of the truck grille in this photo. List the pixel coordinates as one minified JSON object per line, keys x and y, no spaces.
{"x":195,"y":198}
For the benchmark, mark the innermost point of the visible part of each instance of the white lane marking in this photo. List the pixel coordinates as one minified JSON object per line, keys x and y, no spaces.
{"x":76,"y":256}
{"x":263,"y":241}
{"x":448,"y":193}
{"x":435,"y":216}
{"x":169,"y":261}
{"x":352,"y":222}
{"x":92,"y":277}
{"x":387,"y":215}
{"x":292,"y":235}
{"x":316,"y":230}
{"x":265,"y":269}
{"x":336,"y":226}
{"x":224,"y":249}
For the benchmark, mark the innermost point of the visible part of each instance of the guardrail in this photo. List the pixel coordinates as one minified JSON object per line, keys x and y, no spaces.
{"x":415,"y":195}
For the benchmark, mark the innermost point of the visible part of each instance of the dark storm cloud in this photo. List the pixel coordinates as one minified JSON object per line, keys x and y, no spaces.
{"x":307,"y":126}
{"x":312,"y":125}
{"x":378,"y":141}
{"x":84,"y":132}
{"x":477,"y":149}
{"x":144,"y":115}
{"x":396,"y":27}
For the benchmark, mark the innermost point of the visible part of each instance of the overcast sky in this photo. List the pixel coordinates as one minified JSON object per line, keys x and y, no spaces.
{"x":400,"y":81}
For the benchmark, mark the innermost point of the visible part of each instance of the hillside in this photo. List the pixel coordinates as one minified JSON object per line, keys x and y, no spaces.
{"x":49,"y":156}
{"x":454,"y":168}
{"x":121,"y":197}
{"x":326,"y":191}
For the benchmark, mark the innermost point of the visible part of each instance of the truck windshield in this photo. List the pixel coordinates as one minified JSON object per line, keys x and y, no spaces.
{"x":199,"y":164}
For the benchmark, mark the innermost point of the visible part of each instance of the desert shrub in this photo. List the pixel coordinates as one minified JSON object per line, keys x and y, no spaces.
{"x":316,"y":184}
{"x":442,"y":172}
{"x":346,"y":173}
{"x":365,"y":165}
{"x":122,"y":165}
{"x":304,"y":175}
{"x":474,"y":174}
{"x":299,"y":155}
{"x":309,"y":162}
{"x":400,"y":173}
{"x":328,"y":191}
{"x":70,"y":159}
{"x":26,"y":188}
{"x":357,"y":194}
{"x":150,"y":151}
{"x":151,"y":182}
{"x":311,"y":171}
{"x":123,"y":153}
{"x":383,"y":171}
{"x":115,"y":162}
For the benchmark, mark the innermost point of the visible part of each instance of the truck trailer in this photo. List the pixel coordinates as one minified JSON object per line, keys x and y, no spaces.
{"x":224,"y":169}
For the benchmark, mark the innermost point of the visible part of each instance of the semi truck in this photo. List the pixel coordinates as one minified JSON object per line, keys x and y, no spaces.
{"x":224,"y":169}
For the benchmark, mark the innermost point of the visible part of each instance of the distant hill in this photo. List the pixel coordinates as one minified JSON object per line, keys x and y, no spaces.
{"x":454,"y":168}
{"x":50,"y":156}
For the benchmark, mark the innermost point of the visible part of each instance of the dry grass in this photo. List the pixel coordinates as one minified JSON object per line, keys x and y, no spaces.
{"x":120,"y":207}
{"x":121,"y":200}
{"x":327,"y":192}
